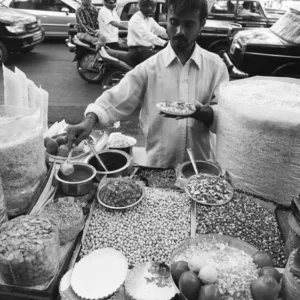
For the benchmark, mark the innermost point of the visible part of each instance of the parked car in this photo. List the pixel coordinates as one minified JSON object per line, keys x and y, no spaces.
{"x":248,"y":13}
{"x":19,"y":32}
{"x":271,"y":51}
{"x":55,"y":15}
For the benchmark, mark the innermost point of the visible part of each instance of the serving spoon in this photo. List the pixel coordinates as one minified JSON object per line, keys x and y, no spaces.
{"x":97,"y":156}
{"x":193,"y":208}
{"x":67,"y":167}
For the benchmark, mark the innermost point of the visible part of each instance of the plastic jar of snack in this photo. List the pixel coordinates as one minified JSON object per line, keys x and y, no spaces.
{"x":29,"y":251}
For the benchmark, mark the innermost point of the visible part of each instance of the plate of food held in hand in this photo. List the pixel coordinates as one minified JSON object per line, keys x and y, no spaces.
{"x":120,"y":193}
{"x":179,"y":108}
{"x":56,"y":147}
{"x":209,"y":189}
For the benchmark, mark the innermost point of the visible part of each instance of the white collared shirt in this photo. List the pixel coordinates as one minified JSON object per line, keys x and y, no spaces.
{"x":163,"y":77}
{"x":144,"y":31}
{"x":110,"y":32}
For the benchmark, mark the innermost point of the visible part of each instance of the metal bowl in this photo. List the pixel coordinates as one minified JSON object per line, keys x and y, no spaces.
{"x":226,"y":239}
{"x":186,"y":170}
{"x":128,"y":149}
{"x":60,"y":159}
{"x":79,"y":183}
{"x":118,"y":207}
{"x":117,"y":163}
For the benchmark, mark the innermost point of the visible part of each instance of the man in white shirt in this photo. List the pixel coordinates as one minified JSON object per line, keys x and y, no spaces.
{"x":144,"y":34}
{"x":182,"y":71}
{"x":110,"y":23}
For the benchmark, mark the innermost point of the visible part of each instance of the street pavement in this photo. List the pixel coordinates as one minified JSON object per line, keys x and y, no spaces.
{"x":49,"y":66}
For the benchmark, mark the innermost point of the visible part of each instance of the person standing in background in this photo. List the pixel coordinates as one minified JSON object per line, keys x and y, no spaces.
{"x":110,"y":23}
{"x":144,"y":34}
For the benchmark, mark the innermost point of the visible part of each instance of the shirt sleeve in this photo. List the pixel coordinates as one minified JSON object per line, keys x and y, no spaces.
{"x":145,"y":34}
{"x":121,"y":100}
{"x":105,"y":17}
{"x":83,"y":23}
{"x":223,"y":76}
{"x":158,"y":30}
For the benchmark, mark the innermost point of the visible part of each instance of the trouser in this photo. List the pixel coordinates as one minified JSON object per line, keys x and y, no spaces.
{"x":113,"y":45}
{"x":139,"y":54}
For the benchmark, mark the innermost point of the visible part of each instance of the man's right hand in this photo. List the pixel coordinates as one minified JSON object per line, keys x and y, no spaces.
{"x":77,"y":133}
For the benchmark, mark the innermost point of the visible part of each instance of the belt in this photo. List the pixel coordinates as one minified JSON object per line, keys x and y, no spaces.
{"x":137,"y":47}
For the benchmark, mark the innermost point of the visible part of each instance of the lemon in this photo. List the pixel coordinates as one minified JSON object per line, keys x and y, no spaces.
{"x":208,"y":274}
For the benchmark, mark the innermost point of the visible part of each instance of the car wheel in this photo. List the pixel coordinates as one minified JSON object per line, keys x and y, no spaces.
{"x":112,"y":78}
{"x":3,"y":53}
{"x":289,"y":70}
{"x":27,"y":50}
{"x":90,"y":72}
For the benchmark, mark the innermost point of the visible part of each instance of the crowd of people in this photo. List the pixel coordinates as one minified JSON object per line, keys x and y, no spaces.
{"x":181,"y":71}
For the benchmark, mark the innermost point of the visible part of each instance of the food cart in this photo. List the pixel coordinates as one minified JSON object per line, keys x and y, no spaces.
{"x":171,"y":213}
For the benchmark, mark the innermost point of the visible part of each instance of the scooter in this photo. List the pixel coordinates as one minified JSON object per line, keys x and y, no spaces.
{"x":107,"y":68}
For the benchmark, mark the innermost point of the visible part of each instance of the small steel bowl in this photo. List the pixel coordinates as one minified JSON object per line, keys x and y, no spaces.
{"x":128,"y":149}
{"x":75,"y":185}
{"x":118,"y":207}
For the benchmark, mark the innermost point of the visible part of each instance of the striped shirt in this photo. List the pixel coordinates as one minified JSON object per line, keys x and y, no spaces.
{"x":86,"y":17}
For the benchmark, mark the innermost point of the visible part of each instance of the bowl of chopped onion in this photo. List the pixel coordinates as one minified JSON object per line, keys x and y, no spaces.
{"x":120,"y":193}
{"x":119,"y":141}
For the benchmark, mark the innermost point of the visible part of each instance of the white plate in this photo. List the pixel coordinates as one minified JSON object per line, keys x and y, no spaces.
{"x":99,"y":274}
{"x":176,"y":108}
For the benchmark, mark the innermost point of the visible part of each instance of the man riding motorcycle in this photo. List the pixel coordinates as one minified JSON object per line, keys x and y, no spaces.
{"x":144,"y":33}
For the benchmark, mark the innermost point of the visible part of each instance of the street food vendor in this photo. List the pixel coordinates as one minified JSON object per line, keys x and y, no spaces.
{"x":183,"y":72}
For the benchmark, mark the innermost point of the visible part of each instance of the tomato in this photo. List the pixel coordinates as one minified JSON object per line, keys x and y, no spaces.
{"x":270,"y":271}
{"x":262,"y":259}
{"x":177,"y":269}
{"x":189,"y":285}
{"x":265,"y":288}
{"x":209,"y":292}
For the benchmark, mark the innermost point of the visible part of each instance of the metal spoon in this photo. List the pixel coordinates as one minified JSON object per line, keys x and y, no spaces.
{"x":67,"y":167}
{"x":193,"y":205}
{"x":96,"y":155}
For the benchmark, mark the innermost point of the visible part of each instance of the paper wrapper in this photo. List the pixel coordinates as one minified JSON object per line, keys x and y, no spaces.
{"x":22,"y":77}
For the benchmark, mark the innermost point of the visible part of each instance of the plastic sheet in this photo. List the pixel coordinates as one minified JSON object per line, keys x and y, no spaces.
{"x":3,"y":213}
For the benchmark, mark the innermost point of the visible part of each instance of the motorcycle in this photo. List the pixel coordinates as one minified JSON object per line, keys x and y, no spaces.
{"x":107,"y":68}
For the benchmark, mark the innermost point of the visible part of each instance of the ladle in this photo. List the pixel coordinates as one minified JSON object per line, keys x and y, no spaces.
{"x":67,"y":167}
{"x":96,"y":155}
{"x":193,"y":208}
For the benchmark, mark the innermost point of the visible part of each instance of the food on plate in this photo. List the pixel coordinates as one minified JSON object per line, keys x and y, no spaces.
{"x":209,"y":292}
{"x":189,"y":285}
{"x":262,"y":259}
{"x":51,"y":146}
{"x":177,"y":269}
{"x":176,"y":108}
{"x":120,"y":192}
{"x":62,"y":151}
{"x":119,"y":140}
{"x":208,"y":274}
{"x":270,"y":271}
{"x":29,"y":251}
{"x":197,"y":262}
{"x":209,"y":189}
{"x":265,"y":288}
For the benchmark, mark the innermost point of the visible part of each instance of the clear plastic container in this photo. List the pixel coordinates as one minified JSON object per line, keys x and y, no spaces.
{"x":22,"y":156}
{"x":29,"y":251}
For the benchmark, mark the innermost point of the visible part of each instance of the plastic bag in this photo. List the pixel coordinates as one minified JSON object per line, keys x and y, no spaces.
{"x":29,"y":251}
{"x":258,"y":136}
{"x":22,"y":156}
{"x":67,"y":216}
{"x":3,"y":213}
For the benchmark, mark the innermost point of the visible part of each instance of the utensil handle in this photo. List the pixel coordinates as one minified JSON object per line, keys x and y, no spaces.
{"x":190,"y":153}
{"x":97,"y":156}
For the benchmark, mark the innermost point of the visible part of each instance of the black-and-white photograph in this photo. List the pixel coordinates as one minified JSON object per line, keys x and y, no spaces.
{"x":149,"y":149}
